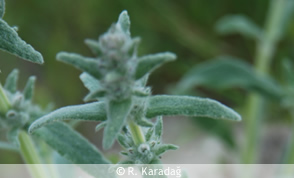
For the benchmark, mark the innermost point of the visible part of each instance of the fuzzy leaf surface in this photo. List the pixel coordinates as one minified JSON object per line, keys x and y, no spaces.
{"x":117,"y":115}
{"x":227,"y":72}
{"x":148,"y":63}
{"x":86,"y":64}
{"x":70,"y":144}
{"x":161,"y":105}
{"x":8,"y":146}
{"x":90,"y":112}
{"x":239,"y":24}
{"x":28,"y":91}
{"x":11,"y":81}
{"x":91,"y":83}
{"x":12,"y":43}
{"x":124,"y":21}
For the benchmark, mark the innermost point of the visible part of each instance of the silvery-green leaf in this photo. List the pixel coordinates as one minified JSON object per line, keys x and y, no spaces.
{"x":117,"y":112}
{"x":11,"y":81}
{"x":4,"y":101}
{"x":148,"y":63}
{"x":239,"y":24}
{"x":122,"y":140}
{"x":227,"y":72}
{"x":12,"y":43}
{"x":2,"y":8}
{"x":165,"y":147}
{"x":95,"y":95}
{"x":91,"y":83}
{"x":86,"y":64}
{"x":161,"y":105}
{"x":28,"y":91}
{"x":144,"y":122}
{"x":158,"y":127}
{"x":149,"y":134}
{"x":94,"y":46}
{"x":100,"y":126}
{"x":70,"y":144}
{"x":90,"y":112}
{"x":124,"y":21}
{"x":8,"y":146}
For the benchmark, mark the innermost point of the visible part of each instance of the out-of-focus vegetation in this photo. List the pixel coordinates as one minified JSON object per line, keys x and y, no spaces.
{"x":185,"y":27}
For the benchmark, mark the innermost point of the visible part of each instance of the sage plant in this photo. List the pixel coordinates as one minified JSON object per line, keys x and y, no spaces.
{"x":120,"y":99}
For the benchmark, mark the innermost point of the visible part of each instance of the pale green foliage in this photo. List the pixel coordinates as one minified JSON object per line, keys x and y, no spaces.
{"x":227,"y":72}
{"x":12,"y":43}
{"x":239,"y":24}
{"x":148,"y":152}
{"x":70,"y":144}
{"x":117,"y":78}
{"x":166,"y":105}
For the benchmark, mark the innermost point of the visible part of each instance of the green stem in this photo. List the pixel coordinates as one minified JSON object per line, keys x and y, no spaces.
{"x":289,"y":156}
{"x":31,"y":156}
{"x":136,"y":132}
{"x":264,"y":54}
{"x":4,"y":102}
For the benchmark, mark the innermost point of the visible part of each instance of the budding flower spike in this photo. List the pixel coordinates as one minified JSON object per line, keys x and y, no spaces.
{"x":116,"y":79}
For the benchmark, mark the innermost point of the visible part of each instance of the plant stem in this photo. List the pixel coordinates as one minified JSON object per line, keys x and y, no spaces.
{"x":136,"y":132}
{"x":264,"y":54}
{"x":30,"y":155}
{"x":289,"y":155}
{"x":4,"y":102}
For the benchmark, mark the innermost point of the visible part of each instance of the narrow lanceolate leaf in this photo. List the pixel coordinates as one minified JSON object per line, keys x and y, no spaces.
{"x":28,"y":91}
{"x":95,"y":95}
{"x":70,"y":144}
{"x":11,"y":81}
{"x":189,"y":106}
{"x":100,"y":126}
{"x":86,"y":64}
{"x":165,"y":147}
{"x":12,"y":43}
{"x":91,"y":83}
{"x":122,"y":140}
{"x":4,"y":102}
{"x":146,"y":64}
{"x":124,"y":21}
{"x":91,"y":112}
{"x":228,"y":72}
{"x":158,"y":127}
{"x":149,"y":134}
{"x":2,"y":8}
{"x":94,"y":46}
{"x":117,"y":113}
{"x":239,"y":24}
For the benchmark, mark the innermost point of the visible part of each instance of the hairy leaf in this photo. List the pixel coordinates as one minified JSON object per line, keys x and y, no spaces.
{"x":91,"y":83}
{"x":4,"y":102}
{"x":239,"y":24}
{"x":12,"y":43}
{"x":91,"y":112}
{"x":28,"y":91}
{"x":12,"y":136}
{"x":189,"y":106}
{"x":227,"y":72}
{"x":94,"y":46}
{"x":100,"y":126}
{"x":70,"y":144}
{"x":158,"y":127}
{"x":124,"y":21}
{"x":11,"y":81}
{"x":165,"y":147}
{"x":148,"y":63}
{"x":2,"y":8}
{"x":86,"y":64}
{"x":116,"y":117}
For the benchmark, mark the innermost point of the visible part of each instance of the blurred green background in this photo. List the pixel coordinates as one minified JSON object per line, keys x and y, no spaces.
{"x":186,"y":28}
